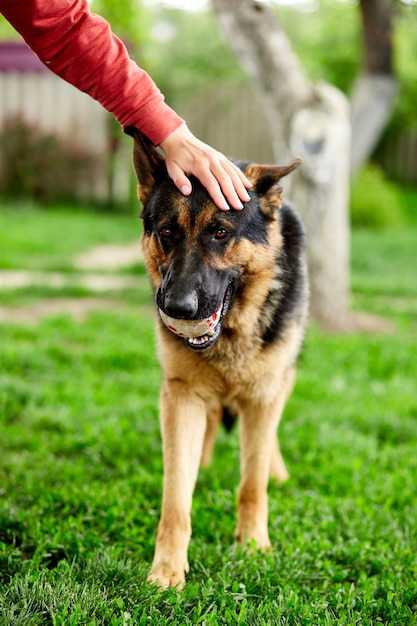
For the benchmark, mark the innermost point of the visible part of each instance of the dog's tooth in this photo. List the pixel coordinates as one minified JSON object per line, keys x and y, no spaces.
{"x":196,"y":341}
{"x":210,"y":333}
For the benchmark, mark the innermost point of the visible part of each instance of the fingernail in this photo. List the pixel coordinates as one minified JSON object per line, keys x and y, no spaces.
{"x":246,"y":197}
{"x":185,"y":190}
{"x":225,"y":207}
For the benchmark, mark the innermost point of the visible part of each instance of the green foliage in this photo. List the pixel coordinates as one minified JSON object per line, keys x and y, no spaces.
{"x":188,"y":54}
{"x":404,"y":117}
{"x":410,"y":204}
{"x":6,"y":30}
{"x":376,"y":202}
{"x":81,"y":466}
{"x":327,"y":39}
{"x":129,"y":20}
{"x":39,"y":165}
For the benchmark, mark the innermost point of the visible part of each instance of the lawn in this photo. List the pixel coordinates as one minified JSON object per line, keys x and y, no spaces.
{"x":81,"y":466}
{"x":44,"y":240}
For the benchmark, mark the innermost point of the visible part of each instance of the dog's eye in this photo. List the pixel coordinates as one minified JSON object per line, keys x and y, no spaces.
{"x":221,"y":233}
{"x":165,"y":232}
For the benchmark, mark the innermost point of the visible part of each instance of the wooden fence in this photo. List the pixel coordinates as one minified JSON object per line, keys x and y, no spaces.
{"x":231,"y":119}
{"x":398,"y":157}
{"x":54,"y":106}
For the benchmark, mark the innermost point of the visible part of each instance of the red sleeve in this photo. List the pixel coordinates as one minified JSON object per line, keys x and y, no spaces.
{"x":79,"y":46}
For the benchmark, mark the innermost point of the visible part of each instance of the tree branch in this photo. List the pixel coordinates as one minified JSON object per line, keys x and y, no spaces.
{"x":375,"y":89}
{"x":265,"y":52}
{"x":377,"y":20}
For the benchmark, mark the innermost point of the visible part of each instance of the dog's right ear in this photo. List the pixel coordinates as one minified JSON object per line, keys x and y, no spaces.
{"x":148,"y":163}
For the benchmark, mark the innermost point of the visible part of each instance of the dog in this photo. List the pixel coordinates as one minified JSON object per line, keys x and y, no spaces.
{"x":231,"y":289}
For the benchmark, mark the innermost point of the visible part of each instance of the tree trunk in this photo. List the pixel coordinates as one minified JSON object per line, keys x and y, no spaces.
{"x":309,"y":121}
{"x":321,"y":136}
{"x":375,"y":90}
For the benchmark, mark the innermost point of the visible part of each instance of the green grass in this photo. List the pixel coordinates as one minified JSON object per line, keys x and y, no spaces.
{"x":44,"y":240}
{"x":81,"y":466}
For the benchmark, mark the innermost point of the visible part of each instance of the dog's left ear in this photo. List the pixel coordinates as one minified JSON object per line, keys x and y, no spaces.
{"x":265,"y":180}
{"x":148,"y":163}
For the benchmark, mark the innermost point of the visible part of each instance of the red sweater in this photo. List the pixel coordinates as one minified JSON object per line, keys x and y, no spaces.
{"x":79,"y":47}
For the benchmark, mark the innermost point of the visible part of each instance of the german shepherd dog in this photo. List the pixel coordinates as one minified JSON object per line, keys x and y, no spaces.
{"x":231,"y":290}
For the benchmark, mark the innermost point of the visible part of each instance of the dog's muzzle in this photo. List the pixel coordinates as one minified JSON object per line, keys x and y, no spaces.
{"x":199,"y":334}
{"x":195,"y":331}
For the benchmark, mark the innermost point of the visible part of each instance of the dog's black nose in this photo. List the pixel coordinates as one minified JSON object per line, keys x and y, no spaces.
{"x":181,"y":306}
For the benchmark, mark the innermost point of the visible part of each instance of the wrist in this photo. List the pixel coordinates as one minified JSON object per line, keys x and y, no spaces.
{"x":178,"y":134}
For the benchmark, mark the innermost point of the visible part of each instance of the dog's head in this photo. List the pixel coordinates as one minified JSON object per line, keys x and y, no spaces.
{"x":195,"y":253}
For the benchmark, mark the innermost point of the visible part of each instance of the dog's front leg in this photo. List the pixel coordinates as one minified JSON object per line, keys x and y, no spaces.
{"x":258,"y":424}
{"x":183,"y":423}
{"x":214,"y":418}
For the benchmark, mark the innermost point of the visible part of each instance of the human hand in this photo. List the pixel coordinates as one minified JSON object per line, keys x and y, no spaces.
{"x":224,"y":181}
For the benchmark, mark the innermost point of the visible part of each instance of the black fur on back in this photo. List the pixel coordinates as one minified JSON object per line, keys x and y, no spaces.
{"x":288,"y":296}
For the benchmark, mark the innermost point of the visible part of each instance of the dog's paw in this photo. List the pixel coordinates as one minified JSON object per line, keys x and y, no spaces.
{"x":167,"y":574}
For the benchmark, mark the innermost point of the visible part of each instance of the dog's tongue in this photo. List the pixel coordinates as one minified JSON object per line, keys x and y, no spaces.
{"x":191,"y":328}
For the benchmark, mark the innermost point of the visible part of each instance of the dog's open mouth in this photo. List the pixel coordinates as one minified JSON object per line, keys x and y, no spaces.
{"x":198,"y":334}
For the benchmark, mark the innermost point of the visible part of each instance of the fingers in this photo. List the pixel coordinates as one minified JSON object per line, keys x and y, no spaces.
{"x":217,"y":185}
{"x":226,"y":184}
{"x":224,"y":181}
{"x":230,"y":182}
{"x":182,"y":182}
{"x":210,"y":182}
